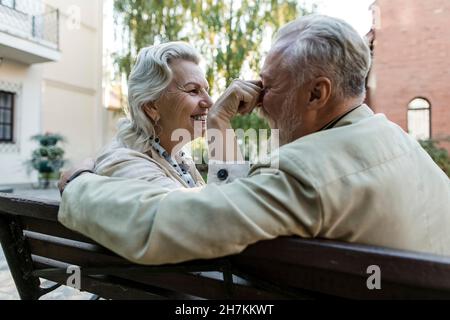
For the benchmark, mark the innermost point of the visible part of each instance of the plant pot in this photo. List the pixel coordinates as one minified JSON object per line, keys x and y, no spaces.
{"x":46,"y":178}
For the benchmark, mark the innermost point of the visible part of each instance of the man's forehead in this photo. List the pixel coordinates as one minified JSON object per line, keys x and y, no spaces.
{"x":272,"y":64}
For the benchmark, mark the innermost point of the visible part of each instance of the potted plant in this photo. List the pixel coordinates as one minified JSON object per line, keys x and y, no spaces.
{"x":47,"y":159}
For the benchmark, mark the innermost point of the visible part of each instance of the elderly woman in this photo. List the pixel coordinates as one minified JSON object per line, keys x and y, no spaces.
{"x":168,"y":91}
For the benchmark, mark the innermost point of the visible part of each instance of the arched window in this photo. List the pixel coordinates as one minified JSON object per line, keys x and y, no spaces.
{"x":9,"y":3}
{"x":419,"y":119}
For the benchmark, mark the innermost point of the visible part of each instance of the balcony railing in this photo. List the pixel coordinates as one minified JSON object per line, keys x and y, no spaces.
{"x":40,"y":26}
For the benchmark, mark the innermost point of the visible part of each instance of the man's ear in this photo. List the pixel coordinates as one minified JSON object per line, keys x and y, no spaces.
{"x":320,"y":92}
{"x":151,"y":111}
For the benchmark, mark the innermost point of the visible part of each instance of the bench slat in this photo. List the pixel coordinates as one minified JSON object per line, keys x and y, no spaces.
{"x":407,"y":268}
{"x":110,"y":290}
{"x":332,"y":283}
{"x":79,"y":254}
{"x":194,"y":285}
{"x":199,"y":286}
{"x":29,"y":207}
{"x":52,"y":228}
{"x":52,"y":269}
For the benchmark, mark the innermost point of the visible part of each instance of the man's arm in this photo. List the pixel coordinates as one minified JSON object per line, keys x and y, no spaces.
{"x":150,"y":225}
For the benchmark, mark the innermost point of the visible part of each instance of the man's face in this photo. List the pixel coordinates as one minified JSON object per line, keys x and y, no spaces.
{"x":281,"y":100}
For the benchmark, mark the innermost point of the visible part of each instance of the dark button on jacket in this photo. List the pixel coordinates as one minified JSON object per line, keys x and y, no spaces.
{"x":222,"y":174}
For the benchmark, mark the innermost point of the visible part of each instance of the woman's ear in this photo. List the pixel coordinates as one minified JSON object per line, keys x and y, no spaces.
{"x":151,"y":111}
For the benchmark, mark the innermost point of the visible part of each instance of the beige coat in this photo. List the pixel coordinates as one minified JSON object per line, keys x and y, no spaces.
{"x":364,"y":181}
{"x":120,"y":162}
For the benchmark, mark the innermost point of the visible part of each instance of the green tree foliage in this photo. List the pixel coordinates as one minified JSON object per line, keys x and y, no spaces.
{"x":229,"y":34}
{"x":439,"y":155}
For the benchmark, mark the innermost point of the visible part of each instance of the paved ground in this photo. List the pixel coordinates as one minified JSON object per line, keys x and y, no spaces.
{"x":7,"y":288}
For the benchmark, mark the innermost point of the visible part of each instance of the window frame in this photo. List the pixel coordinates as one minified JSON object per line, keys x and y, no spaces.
{"x":11,"y":124}
{"x":14,"y":4}
{"x":430,"y":128}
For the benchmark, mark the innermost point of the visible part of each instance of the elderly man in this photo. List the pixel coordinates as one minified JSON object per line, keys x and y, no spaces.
{"x":344,"y":173}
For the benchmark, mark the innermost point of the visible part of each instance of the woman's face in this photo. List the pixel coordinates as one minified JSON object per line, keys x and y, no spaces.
{"x":186,"y":102}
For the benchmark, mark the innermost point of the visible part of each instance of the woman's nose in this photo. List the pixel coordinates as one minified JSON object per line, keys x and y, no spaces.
{"x":206,"y":103}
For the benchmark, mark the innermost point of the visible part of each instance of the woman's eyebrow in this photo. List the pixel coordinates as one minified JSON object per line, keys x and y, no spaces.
{"x":196,"y":84}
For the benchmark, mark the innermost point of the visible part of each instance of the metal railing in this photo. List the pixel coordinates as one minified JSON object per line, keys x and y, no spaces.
{"x":41,"y":26}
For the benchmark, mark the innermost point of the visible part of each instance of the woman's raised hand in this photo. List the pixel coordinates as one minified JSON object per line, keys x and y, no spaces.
{"x":241,"y":97}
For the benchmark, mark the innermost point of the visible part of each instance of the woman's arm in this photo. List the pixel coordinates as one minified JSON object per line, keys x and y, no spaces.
{"x":129,"y":164}
{"x":226,"y":162}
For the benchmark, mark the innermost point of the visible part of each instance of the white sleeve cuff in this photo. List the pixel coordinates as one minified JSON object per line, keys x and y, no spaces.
{"x":223,"y":172}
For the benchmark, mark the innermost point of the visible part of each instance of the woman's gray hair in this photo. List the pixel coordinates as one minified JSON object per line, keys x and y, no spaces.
{"x":148,"y":80}
{"x":318,"y":45}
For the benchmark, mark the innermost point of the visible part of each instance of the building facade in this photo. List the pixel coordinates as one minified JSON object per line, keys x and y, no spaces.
{"x":410,"y":77}
{"x":50,"y":80}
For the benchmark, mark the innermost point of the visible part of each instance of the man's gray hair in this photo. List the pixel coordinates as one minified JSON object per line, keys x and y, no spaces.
{"x":318,"y":45}
{"x":148,"y":80}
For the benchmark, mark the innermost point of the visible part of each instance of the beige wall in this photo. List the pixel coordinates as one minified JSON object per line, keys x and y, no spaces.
{"x":63,"y":97}
{"x":89,"y":10}
{"x":72,"y":96}
{"x":27,"y":117}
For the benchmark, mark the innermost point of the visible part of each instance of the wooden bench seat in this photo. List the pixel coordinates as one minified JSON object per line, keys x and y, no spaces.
{"x":37,"y":246}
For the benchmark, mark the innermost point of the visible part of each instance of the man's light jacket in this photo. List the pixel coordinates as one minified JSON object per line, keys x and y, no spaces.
{"x":364,"y":181}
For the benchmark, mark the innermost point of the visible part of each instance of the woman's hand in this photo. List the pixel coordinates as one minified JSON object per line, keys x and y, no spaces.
{"x":71,"y":174}
{"x":240,"y":97}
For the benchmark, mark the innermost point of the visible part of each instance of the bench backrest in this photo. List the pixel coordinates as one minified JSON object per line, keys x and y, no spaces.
{"x":37,"y":246}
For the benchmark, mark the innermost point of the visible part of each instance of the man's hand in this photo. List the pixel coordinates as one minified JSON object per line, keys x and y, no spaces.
{"x":67,"y":176}
{"x":240,"y":97}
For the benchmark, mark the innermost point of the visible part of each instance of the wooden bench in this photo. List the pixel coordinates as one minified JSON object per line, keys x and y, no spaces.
{"x":37,"y":246}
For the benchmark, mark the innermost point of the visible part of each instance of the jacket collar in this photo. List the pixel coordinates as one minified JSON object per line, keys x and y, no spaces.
{"x":356,"y":115}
